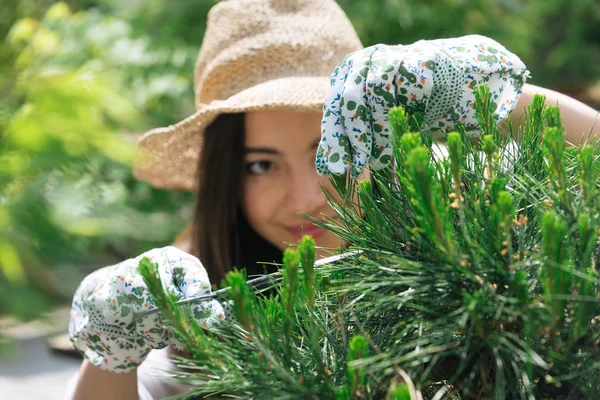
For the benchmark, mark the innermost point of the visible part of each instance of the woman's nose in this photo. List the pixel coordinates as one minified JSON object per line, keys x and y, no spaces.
{"x":305,"y":193}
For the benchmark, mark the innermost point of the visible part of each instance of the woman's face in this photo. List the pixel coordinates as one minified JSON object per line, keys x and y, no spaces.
{"x":280,"y":177}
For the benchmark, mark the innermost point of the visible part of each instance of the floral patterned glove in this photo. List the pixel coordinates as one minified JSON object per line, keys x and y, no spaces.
{"x":103,"y":326}
{"x":433,"y":78}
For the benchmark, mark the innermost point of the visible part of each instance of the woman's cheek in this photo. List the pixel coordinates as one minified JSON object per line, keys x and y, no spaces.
{"x":251,"y":193}
{"x":259,"y":198}
{"x":327,"y":187}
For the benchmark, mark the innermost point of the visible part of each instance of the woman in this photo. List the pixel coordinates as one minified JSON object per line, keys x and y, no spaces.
{"x":270,"y":168}
{"x":260,"y":81}
{"x":262,"y":76}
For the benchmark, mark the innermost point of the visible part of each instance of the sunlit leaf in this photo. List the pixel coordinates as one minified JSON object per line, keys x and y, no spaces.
{"x":44,"y":42}
{"x":22,"y":31}
{"x":10,"y":264}
{"x":58,"y":11}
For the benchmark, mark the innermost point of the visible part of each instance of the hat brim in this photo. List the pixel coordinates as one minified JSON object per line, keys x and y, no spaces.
{"x":169,"y":156}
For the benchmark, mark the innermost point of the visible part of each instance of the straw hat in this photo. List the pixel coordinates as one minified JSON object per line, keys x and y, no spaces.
{"x":256,"y":54}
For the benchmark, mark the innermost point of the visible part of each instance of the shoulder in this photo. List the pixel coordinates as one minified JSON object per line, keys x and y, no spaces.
{"x":185,"y":240}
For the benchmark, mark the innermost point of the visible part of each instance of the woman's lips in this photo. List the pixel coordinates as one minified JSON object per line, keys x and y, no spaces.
{"x":306,"y":229}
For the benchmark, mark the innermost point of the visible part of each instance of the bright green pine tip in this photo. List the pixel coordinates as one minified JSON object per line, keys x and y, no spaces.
{"x":554,"y":230}
{"x":588,"y":175}
{"x":148,"y":269}
{"x":410,"y":141}
{"x":365,"y":187}
{"x":585,"y":226}
{"x":538,"y":102}
{"x":235,"y":278}
{"x":454,"y":140}
{"x":397,"y":113}
{"x":455,"y":148}
{"x":418,"y":158}
{"x":359,"y":348}
{"x":306,"y":243}
{"x":291,"y":258}
{"x":548,"y":221}
{"x":586,"y":155}
{"x":482,"y":90}
{"x":145,"y":265}
{"x":343,"y":393}
{"x":488,"y":145}
{"x":552,"y":116}
{"x":399,"y":391}
{"x":399,"y":120}
{"x":505,"y":203}
{"x":554,"y":140}
{"x":306,"y":248}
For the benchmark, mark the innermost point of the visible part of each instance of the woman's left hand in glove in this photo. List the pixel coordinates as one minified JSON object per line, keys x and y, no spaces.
{"x":432,"y":78}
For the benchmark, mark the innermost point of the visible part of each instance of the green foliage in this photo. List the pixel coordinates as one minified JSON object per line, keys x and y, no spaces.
{"x":499,"y":301}
{"x":477,"y":279}
{"x":77,"y":79}
{"x":561,"y":51}
{"x":266,"y":337}
{"x":68,"y":200}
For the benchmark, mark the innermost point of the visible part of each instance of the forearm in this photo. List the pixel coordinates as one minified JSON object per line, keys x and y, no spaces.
{"x":95,"y":383}
{"x":578,"y":118}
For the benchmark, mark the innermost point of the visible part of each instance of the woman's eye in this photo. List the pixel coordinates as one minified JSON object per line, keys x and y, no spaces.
{"x":258,"y":167}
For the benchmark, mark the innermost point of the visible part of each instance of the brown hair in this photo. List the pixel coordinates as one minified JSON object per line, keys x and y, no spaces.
{"x":224,"y":238}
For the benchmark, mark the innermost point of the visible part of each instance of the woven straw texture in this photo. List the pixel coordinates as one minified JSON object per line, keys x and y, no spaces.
{"x":256,"y":54}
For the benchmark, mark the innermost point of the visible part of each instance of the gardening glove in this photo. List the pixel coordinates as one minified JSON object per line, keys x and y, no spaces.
{"x":433,"y":78}
{"x":102,"y":325}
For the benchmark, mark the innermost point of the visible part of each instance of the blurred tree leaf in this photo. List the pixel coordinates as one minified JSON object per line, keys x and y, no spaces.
{"x":559,"y":40}
{"x":81,"y":79}
{"x":68,"y":199}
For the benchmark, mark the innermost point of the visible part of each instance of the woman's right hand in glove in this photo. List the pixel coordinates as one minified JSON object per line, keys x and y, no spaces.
{"x":102,"y":325}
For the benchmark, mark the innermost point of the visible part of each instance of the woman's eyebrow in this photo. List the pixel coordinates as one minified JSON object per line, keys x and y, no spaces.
{"x":266,"y":150}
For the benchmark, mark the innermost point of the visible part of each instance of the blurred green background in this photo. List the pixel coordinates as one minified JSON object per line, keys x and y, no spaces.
{"x":80,"y":80}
